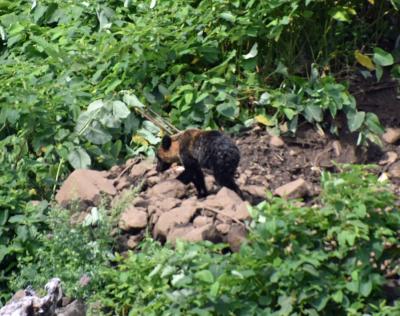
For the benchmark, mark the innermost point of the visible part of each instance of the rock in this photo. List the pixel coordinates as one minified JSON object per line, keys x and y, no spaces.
{"x":133,"y":241}
{"x":167,"y":204}
{"x":84,"y":186}
{"x":207,"y":232}
{"x":390,"y":158}
{"x":391,"y":135}
{"x":242,"y":211}
{"x":255,"y":190}
{"x":394,"y":170}
{"x":141,"y":168}
{"x":122,"y":183}
{"x":169,"y":188}
{"x":294,"y":189}
{"x":223,"y":228}
{"x":337,"y":148}
{"x":236,"y":236}
{"x":181,"y":216}
{"x":227,"y":198}
{"x":153,"y":180}
{"x":76,"y":308}
{"x":140,"y":202}
{"x":133,"y":218}
{"x":200,"y":221}
{"x":29,"y":304}
{"x":210,"y":182}
{"x":178,"y":233}
{"x":276,"y":141}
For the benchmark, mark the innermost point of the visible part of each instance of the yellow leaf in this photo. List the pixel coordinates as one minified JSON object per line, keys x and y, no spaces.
{"x":139,"y":140}
{"x":364,"y":60}
{"x":371,"y":1}
{"x":262,"y":119}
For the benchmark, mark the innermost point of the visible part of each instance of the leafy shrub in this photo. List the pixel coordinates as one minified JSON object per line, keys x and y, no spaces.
{"x":73,"y":252}
{"x":299,"y":260}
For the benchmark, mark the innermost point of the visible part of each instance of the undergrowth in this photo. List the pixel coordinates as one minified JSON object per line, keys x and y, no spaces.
{"x":328,"y":259}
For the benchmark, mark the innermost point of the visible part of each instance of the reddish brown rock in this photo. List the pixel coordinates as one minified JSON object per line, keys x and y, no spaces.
{"x":276,"y":141}
{"x":133,"y":218}
{"x":390,"y":157}
{"x":169,"y":188}
{"x":223,"y":228}
{"x":236,"y":236}
{"x":294,"y":189}
{"x":84,"y":186}
{"x":122,"y":183}
{"x":200,"y":221}
{"x":255,"y":190}
{"x":394,"y":170}
{"x":141,"y":168}
{"x":133,"y":241}
{"x":391,"y":135}
{"x":178,"y":216}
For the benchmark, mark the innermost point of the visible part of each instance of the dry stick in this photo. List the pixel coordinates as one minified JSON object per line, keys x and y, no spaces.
{"x":134,"y":162}
{"x":224,"y":214}
{"x":166,"y":122}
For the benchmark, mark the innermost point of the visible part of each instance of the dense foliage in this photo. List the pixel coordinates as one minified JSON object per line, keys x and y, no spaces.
{"x":300,"y":260}
{"x":75,"y":76}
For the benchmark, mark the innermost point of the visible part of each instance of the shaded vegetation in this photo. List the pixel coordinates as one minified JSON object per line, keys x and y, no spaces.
{"x":73,"y":75}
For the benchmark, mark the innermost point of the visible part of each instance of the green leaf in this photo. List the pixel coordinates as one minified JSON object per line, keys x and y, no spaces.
{"x":378,"y":72}
{"x":228,"y":16}
{"x":338,"y":296}
{"x":96,"y":134}
{"x":132,"y":100}
{"x":120,"y":110}
{"x":366,"y":288}
{"x":355,"y":121}
{"x":382,"y":58}
{"x":252,"y":53}
{"x":373,"y":124}
{"x":205,"y":276}
{"x":313,"y":113}
{"x":79,"y":158}
{"x":227,"y":109}
{"x":4,"y":251}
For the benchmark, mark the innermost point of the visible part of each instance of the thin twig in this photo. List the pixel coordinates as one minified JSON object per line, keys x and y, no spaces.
{"x":224,"y":214}
{"x":134,"y":162}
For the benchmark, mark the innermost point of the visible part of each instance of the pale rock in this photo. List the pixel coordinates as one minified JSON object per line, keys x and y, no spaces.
{"x":390,"y":158}
{"x":201,"y":221}
{"x":391,"y":135}
{"x":169,"y":188}
{"x":133,"y":218}
{"x":122,"y":183}
{"x":255,"y":190}
{"x":337,"y":148}
{"x":276,"y":141}
{"x":394,"y":170}
{"x":141,"y":168}
{"x":236,"y":236}
{"x":153,"y":180}
{"x":181,"y":216}
{"x":223,"y":228}
{"x":294,"y":189}
{"x":84,"y":186}
{"x":133,"y":241}
{"x":242,"y":211}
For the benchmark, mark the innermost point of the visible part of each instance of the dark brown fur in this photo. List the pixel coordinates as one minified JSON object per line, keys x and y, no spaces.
{"x":197,"y":149}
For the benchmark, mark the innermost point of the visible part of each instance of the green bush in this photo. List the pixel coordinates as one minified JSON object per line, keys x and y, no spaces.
{"x":72,"y":252}
{"x":329,"y":259}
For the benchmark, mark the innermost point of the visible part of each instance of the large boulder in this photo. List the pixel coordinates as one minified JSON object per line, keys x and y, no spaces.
{"x":86,"y":187}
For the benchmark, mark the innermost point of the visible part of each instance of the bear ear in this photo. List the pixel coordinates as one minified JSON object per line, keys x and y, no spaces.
{"x":166,"y":142}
